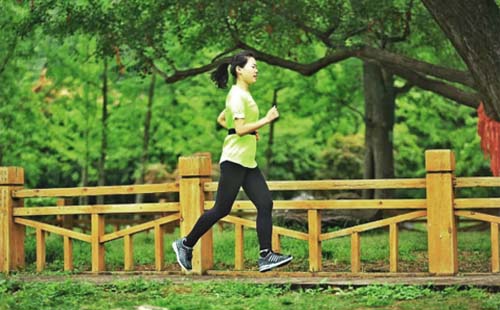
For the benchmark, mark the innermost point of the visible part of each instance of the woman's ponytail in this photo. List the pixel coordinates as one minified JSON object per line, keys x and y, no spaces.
{"x":220,"y":75}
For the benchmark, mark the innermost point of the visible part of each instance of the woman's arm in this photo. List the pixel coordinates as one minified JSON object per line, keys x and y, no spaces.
{"x":221,"y":119}
{"x":243,"y":128}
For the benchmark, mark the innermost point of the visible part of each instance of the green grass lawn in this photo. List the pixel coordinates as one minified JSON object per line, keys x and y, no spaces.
{"x":232,"y":295}
{"x":474,"y":251}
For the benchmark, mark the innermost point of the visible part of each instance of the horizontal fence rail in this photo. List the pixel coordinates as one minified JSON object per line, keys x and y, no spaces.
{"x":336,"y":184}
{"x":99,"y":209}
{"x":462,"y":182}
{"x":477,"y":203}
{"x":98,"y":191}
{"x":332,"y":204}
{"x":439,"y":210}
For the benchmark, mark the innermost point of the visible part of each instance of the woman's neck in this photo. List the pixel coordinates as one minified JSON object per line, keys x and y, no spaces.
{"x":241,"y":84}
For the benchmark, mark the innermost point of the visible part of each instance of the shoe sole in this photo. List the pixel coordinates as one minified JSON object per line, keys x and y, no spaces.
{"x":275,"y":265}
{"x":174,"y":246}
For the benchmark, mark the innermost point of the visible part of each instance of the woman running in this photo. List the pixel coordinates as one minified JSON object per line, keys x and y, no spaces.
{"x":237,"y":164}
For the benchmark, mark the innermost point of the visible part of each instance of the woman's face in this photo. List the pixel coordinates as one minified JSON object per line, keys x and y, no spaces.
{"x":249,"y":72}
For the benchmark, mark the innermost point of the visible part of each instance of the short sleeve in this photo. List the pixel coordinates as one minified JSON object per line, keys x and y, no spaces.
{"x":236,"y":105}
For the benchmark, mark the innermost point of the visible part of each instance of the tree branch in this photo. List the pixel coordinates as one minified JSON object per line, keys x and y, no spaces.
{"x":355,"y":32}
{"x":407,"y":68}
{"x":304,"y":69}
{"x":452,"y":75}
{"x":183,"y":74}
{"x":323,"y":36}
{"x":353,"y":109}
{"x":229,"y":50}
{"x":438,"y":87}
{"x":403,"y":90}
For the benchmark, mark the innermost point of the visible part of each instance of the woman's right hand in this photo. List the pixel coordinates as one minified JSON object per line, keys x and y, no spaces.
{"x":272,"y":114}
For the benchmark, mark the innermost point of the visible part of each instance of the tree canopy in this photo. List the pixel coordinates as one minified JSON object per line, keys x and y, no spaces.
{"x":312,"y":53}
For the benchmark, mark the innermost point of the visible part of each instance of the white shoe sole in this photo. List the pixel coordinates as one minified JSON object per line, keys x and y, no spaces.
{"x":278,"y":264}
{"x":177,"y":256}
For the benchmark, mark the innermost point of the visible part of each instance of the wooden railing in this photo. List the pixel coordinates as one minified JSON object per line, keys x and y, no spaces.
{"x":97,"y":238}
{"x":314,"y":237}
{"x":467,"y":208}
{"x":195,"y":189}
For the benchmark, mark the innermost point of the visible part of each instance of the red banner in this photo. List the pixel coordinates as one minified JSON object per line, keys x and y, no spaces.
{"x":489,"y":131}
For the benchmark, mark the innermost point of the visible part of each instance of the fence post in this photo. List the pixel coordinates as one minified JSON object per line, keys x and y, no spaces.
{"x":11,"y":234}
{"x":97,"y":248}
{"x":194,"y":171}
{"x":441,"y":222}
{"x":314,"y":225}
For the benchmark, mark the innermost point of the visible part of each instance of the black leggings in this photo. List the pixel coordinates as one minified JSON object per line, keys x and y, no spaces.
{"x":232,"y":177}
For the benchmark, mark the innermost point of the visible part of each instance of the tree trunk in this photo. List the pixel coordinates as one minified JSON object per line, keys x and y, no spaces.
{"x":104,"y":132}
{"x":269,"y":151}
{"x":145,"y":145}
{"x":379,"y":119}
{"x":84,"y":200}
{"x":473,"y":27}
{"x":369,"y":164}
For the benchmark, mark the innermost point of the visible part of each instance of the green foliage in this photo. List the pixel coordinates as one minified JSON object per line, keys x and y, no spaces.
{"x":55,"y":133}
{"x":63,"y":295}
{"x":134,"y":292}
{"x":40,"y":202}
{"x":384,"y":295}
{"x":244,"y":290}
{"x":492,"y":302}
{"x":424,"y":122}
{"x":343,"y":158}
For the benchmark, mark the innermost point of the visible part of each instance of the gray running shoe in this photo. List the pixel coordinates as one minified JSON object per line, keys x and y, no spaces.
{"x":273,"y":260}
{"x":184,"y":254}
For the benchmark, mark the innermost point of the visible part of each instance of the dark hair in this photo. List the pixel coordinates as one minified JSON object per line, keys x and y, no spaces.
{"x":220,"y":75}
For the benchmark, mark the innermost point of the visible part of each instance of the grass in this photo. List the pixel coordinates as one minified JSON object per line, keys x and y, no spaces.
{"x":232,"y":295}
{"x":474,"y":251}
{"x":474,"y":255}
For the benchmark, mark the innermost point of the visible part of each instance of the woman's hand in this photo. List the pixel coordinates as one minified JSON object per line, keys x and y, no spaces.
{"x":272,"y":114}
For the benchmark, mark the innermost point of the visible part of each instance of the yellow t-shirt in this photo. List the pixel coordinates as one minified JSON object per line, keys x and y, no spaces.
{"x":236,"y":149}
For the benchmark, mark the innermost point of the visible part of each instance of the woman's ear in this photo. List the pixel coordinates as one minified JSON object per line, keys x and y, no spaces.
{"x":238,"y":69}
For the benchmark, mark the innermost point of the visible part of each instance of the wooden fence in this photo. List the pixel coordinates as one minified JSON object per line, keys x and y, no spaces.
{"x":195,"y":188}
